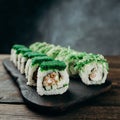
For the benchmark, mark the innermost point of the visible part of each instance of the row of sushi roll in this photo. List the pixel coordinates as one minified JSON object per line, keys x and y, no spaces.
{"x":48,"y":75}
{"x":91,"y":68}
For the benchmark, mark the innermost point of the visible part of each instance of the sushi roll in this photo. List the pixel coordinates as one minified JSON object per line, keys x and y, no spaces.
{"x":93,"y":69}
{"x":53,"y":78}
{"x":54,"y":51}
{"x":33,"y":68}
{"x":37,"y":46}
{"x":26,"y":57}
{"x":46,"y":48}
{"x":29,"y":62}
{"x":71,"y":60}
{"x":14,"y":56}
{"x":63,"y":53}
{"x":20,"y":52}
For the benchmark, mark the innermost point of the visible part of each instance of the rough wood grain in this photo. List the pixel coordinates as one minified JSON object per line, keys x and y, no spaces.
{"x":20,"y":112}
{"x":9,"y":93}
{"x":114,"y":73}
{"x":114,"y":61}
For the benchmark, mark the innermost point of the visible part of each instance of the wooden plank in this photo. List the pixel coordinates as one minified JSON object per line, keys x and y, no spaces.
{"x":114,"y":73}
{"x":20,"y":112}
{"x":114,"y":61}
{"x":3,"y":72}
{"x":9,"y":93}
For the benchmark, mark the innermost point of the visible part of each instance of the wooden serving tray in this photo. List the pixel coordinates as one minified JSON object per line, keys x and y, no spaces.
{"x":75,"y":96}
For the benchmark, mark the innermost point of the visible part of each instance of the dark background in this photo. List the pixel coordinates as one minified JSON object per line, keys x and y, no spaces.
{"x":84,"y":25}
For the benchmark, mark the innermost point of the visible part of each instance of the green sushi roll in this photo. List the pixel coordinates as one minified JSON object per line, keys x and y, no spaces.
{"x":53,"y":78}
{"x":31,"y":72}
{"x":26,"y":58}
{"x":92,"y":68}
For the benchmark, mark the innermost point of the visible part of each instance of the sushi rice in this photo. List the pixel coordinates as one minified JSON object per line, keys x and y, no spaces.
{"x":32,"y":67}
{"x":52,"y":79}
{"x":58,"y":88}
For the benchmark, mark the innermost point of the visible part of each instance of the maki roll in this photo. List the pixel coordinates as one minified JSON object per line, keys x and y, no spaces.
{"x":45,"y":49}
{"x":93,"y":69}
{"x":26,"y":57}
{"x":54,"y":51}
{"x":37,"y":46}
{"x":71,"y":61}
{"x":33,"y":68}
{"x":63,"y":53}
{"x":52,"y":78}
{"x":14,"y":56}
{"x":29,"y":62}
{"x":20,"y":52}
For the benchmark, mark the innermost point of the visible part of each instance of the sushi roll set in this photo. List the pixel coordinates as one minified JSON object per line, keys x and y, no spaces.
{"x":48,"y":75}
{"x":91,"y":68}
{"x":49,"y":67}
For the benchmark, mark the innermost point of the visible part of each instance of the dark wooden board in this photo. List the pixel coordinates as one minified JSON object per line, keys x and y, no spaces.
{"x":77,"y":94}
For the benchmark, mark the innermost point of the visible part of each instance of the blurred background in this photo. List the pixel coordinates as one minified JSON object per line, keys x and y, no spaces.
{"x":84,"y":25}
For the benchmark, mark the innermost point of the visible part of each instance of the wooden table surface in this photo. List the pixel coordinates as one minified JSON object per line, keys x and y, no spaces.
{"x":103,"y":107}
